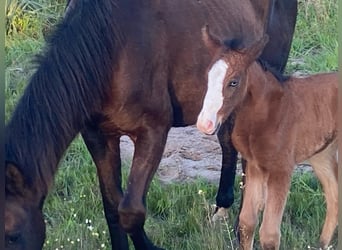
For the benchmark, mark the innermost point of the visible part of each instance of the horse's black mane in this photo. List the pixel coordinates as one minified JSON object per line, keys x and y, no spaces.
{"x":276,"y":73}
{"x":69,"y":85}
{"x":238,"y":44}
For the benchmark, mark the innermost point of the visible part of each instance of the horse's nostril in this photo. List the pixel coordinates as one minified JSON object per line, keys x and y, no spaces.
{"x":208,"y":125}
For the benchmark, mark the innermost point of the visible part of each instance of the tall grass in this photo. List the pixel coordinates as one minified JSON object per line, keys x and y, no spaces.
{"x":315,"y":46}
{"x":178,"y":214}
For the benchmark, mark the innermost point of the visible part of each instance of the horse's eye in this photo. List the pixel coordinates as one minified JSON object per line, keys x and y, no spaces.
{"x":13,"y":238}
{"x":233,"y":83}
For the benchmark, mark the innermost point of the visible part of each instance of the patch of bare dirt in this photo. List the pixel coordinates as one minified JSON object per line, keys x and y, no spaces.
{"x":188,"y":155}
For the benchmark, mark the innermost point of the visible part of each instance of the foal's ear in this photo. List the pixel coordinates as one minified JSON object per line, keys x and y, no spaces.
{"x":256,"y":49}
{"x":210,"y":40}
{"x":14,"y":181}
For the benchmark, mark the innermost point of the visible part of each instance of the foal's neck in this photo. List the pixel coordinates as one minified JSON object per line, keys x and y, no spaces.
{"x":263,"y":88}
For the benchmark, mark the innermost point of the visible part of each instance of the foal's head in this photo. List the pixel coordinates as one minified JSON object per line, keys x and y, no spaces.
{"x":227,"y":78}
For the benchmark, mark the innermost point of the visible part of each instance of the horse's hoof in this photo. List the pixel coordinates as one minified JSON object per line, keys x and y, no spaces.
{"x":220,"y":214}
{"x":158,"y":248}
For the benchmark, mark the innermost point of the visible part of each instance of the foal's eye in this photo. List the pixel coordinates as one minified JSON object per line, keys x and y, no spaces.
{"x":233,"y":83}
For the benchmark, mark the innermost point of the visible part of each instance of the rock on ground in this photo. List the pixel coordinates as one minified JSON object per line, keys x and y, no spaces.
{"x":188,"y":155}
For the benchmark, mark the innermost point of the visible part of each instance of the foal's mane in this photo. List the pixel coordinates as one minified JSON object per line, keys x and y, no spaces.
{"x":237,"y":44}
{"x":69,"y":85}
{"x":276,"y":73}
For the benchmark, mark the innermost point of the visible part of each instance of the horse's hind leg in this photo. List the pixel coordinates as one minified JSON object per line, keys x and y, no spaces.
{"x":106,"y":155}
{"x":149,"y":146}
{"x":225,"y":193}
{"x":325,"y":167}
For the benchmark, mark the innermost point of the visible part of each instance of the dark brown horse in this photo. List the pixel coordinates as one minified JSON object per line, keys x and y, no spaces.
{"x":114,"y":68}
{"x":278,"y":124}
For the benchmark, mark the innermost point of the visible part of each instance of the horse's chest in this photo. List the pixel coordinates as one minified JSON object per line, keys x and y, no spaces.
{"x":253,"y":146}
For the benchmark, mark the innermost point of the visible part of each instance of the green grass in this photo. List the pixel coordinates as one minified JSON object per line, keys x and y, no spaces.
{"x":178,"y":216}
{"x":315,"y":46}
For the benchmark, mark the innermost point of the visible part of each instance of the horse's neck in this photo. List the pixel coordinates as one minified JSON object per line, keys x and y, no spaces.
{"x":261,"y":112}
{"x":67,"y":89}
{"x":264,"y":106}
{"x":264,"y":92}
{"x":38,"y":134}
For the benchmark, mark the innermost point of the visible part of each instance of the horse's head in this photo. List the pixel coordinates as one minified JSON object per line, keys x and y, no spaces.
{"x":24,"y":223}
{"x":227,"y":78}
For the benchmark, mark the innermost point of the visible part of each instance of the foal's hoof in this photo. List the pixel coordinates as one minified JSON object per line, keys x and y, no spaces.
{"x":220,"y":214}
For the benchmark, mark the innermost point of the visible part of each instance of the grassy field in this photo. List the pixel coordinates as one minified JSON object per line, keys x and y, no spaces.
{"x":178,"y":214}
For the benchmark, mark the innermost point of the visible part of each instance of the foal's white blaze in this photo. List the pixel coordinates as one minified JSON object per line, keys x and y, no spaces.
{"x":207,"y":119}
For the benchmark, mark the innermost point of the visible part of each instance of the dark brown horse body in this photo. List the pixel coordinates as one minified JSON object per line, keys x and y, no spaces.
{"x":116,"y":68}
{"x":277,"y":125}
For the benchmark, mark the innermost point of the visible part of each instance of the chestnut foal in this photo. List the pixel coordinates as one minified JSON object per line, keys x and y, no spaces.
{"x":278,"y":124}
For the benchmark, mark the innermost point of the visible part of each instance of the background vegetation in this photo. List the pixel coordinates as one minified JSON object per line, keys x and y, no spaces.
{"x":178,"y":213}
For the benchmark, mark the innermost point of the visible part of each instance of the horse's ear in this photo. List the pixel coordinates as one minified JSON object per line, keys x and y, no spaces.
{"x":256,"y":49}
{"x":210,"y":40}
{"x":14,"y":181}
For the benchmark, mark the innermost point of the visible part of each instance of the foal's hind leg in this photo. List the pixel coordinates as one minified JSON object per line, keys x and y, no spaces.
{"x":325,"y":167}
{"x":225,"y":194}
{"x":106,"y":155}
{"x":149,"y":146}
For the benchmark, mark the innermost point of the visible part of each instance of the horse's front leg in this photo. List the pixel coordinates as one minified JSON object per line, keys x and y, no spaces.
{"x":225,"y":194}
{"x":106,"y":155}
{"x":149,"y":147}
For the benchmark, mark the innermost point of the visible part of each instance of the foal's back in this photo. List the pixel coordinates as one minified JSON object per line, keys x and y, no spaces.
{"x":314,"y":102}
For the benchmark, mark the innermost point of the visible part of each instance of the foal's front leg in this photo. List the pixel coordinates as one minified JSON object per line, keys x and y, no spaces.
{"x":278,"y":184}
{"x":242,"y":187}
{"x":253,"y":202}
{"x":149,"y":146}
{"x":106,"y":155}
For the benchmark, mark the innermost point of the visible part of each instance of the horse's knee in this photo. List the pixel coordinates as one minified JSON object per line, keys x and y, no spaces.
{"x":269,"y":239}
{"x":246,"y":229}
{"x":246,"y":225}
{"x":132,"y":215}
